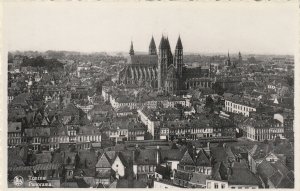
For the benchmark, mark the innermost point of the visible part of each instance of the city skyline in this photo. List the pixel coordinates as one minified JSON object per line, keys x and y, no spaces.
{"x":87,"y":28}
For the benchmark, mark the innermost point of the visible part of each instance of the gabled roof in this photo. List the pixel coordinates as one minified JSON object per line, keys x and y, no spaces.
{"x":202,"y":159}
{"x":103,"y":162}
{"x":187,"y":159}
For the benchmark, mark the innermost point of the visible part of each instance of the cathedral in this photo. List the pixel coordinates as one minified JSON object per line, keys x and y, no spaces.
{"x":161,"y":70}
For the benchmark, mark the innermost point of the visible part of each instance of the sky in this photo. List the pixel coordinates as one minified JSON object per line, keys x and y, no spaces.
{"x":263,"y":28}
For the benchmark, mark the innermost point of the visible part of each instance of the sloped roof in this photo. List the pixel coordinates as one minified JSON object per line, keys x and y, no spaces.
{"x":182,"y":175}
{"x":265,"y":169}
{"x":198,"y":178}
{"x":202,"y":159}
{"x":145,"y":156}
{"x":104,"y":173}
{"x":103,"y":162}
{"x":242,"y":176}
{"x":172,"y":154}
{"x":187,"y":159}
{"x":14,"y":127}
{"x":144,"y":59}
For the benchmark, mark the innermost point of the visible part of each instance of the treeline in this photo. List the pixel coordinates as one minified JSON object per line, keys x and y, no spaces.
{"x":49,"y":64}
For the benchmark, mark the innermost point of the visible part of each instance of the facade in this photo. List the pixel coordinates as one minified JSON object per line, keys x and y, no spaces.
{"x":163,"y":71}
{"x":237,"y":107}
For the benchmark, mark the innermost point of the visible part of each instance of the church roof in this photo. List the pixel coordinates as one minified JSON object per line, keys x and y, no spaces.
{"x":144,"y":59}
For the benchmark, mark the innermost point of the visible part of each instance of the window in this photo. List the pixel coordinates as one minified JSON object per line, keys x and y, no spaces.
{"x":222,"y":185}
{"x":216,"y":185}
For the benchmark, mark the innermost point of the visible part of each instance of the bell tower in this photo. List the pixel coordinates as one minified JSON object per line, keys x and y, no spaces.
{"x":152,"y":47}
{"x":178,"y":57}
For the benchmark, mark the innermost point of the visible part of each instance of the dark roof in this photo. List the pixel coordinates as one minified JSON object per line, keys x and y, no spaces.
{"x":145,"y":156}
{"x":182,"y":175}
{"x":81,"y":183}
{"x":104,"y":173}
{"x":219,"y":154}
{"x":151,"y":60}
{"x":172,"y":154}
{"x":187,"y":159}
{"x":202,"y":159}
{"x":242,"y":176}
{"x":162,"y":170}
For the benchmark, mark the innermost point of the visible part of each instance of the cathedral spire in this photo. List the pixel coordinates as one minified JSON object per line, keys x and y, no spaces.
{"x":240,"y":57}
{"x":162,"y":43}
{"x":179,"y":44}
{"x":131,"y":52}
{"x":152,"y":47}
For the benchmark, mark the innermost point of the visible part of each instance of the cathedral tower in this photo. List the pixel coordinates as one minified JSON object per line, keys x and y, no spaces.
{"x":178,"y":57}
{"x":162,"y":62}
{"x":152,"y":47}
{"x":131,"y":52}
{"x":240,"y":58}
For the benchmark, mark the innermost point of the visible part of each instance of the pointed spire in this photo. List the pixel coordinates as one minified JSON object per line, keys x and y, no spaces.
{"x":179,"y":44}
{"x":152,"y":47}
{"x":168,"y":43}
{"x":131,"y":52}
{"x":162,"y":42}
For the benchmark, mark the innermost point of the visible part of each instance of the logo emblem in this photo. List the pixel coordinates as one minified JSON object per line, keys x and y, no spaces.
{"x":18,"y":181}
